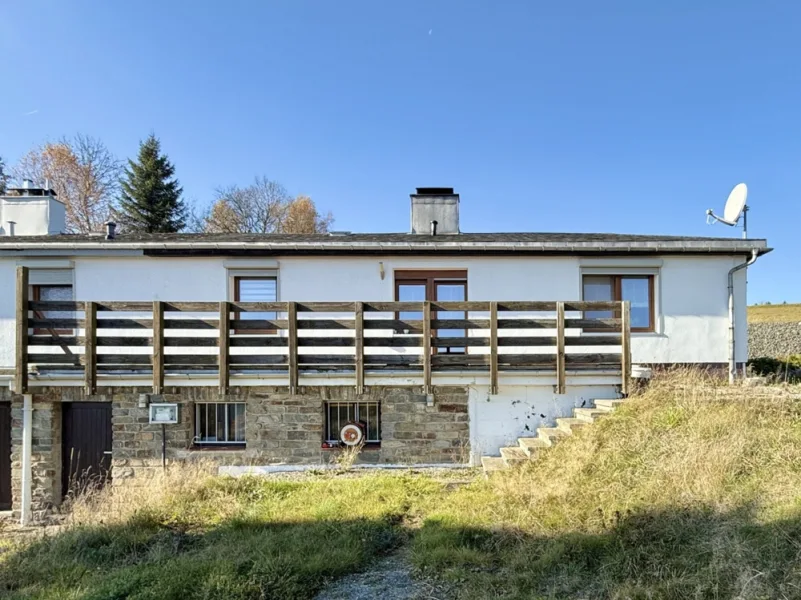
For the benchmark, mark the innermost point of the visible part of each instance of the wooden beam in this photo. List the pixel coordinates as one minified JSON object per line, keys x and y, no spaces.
{"x":427,"y":347}
{"x":90,"y":348}
{"x":21,"y":374}
{"x":292,"y":318}
{"x":560,"y":348}
{"x":625,"y":348}
{"x":493,"y":347}
{"x":358,"y":317}
{"x":158,"y":347}
{"x":225,"y":337}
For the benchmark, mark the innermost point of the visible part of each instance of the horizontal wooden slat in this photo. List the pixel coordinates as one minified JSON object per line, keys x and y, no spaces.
{"x":258,"y":306}
{"x":189,"y":323}
{"x":188,"y":342}
{"x":258,"y":324}
{"x":252,"y":359}
{"x":125,"y":306}
{"x":54,"y":359}
{"x":59,"y":305}
{"x":136,"y":342}
{"x":199,"y":307}
{"x":611,"y":359}
{"x":393,"y":307}
{"x":124,"y":323}
{"x":267,"y":341}
{"x":123,"y":359}
{"x":55,"y":323}
{"x":190,"y":359}
{"x":333,"y":307}
{"x":47,"y":340}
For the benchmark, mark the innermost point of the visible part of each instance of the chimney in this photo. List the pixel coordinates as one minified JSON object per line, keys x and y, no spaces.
{"x":111,"y":227}
{"x":30,"y":210}
{"x":435,"y":211}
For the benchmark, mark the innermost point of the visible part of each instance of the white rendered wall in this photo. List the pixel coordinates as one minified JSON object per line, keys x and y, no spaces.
{"x":691,"y":295}
{"x":517,"y":411}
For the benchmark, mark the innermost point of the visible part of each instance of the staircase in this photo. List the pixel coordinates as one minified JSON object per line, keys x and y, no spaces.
{"x":528,"y":447}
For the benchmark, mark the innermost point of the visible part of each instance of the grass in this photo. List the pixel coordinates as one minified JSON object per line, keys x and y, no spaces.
{"x":692,"y":490}
{"x":775,"y":313}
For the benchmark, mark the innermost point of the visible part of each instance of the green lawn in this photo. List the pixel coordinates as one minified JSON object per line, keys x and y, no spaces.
{"x":693,"y":490}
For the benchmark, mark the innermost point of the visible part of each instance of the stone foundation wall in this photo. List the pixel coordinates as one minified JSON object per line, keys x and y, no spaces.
{"x":775,"y":340}
{"x":281,"y":428}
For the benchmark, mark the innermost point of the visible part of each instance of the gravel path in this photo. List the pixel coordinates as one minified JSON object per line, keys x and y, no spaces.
{"x":388,"y":579}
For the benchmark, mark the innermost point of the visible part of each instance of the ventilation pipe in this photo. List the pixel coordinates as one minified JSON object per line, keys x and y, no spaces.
{"x":732,"y":337}
{"x":111,"y":227}
{"x":433,"y":228}
{"x":27,"y":441}
{"x":11,"y":227}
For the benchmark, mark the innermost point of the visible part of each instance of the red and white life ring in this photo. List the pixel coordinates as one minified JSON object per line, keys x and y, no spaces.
{"x":351,"y":434}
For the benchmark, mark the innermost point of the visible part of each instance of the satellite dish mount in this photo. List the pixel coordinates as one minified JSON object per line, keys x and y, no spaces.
{"x":734,"y":209}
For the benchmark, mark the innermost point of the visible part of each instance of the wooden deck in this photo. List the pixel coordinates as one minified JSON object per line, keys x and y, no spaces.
{"x":97,"y":338}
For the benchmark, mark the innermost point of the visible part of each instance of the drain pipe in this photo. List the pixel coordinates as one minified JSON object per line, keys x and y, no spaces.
{"x":732,"y":340}
{"x":27,"y":439}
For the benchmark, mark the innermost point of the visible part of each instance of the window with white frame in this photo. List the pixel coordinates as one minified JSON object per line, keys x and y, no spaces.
{"x":219,"y":423}
{"x":366,"y":414}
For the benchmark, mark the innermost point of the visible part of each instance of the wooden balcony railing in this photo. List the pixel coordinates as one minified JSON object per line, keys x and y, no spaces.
{"x":98,"y":338}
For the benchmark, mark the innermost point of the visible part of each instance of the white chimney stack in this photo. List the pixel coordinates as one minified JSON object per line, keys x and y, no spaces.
{"x":28,"y":210}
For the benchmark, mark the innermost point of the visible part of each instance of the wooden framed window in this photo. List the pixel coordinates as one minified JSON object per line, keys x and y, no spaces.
{"x":55,"y":292}
{"x":339,"y":414}
{"x":447,"y":285}
{"x":637,"y":289}
{"x":220,"y":423}
{"x":255,"y":289}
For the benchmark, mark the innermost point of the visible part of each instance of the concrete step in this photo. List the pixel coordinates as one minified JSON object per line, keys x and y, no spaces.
{"x":531,"y":445}
{"x":589,"y":415}
{"x":493,"y":463}
{"x":608,"y":405}
{"x":568,"y":424}
{"x":550,"y":435}
{"x":513,"y":455}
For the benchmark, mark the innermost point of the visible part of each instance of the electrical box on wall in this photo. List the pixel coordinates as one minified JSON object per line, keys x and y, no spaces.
{"x":163,"y":414}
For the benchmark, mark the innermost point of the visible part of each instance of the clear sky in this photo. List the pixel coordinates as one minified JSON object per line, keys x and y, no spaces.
{"x":590,"y":116}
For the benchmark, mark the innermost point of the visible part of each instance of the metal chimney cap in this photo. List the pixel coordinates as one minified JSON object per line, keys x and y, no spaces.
{"x":111,"y":227}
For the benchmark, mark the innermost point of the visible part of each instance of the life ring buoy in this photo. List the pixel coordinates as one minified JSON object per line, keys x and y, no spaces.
{"x":351,"y":434}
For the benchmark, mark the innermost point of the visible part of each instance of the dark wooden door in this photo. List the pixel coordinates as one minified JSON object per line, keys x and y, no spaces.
{"x":5,"y":456}
{"x":86,"y":449}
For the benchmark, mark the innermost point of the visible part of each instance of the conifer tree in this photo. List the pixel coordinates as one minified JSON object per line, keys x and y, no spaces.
{"x":150,"y":201}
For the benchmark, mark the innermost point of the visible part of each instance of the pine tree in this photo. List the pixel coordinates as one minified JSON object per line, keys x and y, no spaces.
{"x":150,"y":201}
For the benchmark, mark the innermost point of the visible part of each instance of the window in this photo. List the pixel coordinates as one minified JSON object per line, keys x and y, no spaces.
{"x":255,"y":289}
{"x":443,"y":286}
{"x":637,"y":289}
{"x":52,"y":292}
{"x":339,"y":414}
{"x":220,"y":423}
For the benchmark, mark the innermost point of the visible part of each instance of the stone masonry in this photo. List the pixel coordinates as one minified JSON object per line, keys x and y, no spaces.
{"x":281,"y":428}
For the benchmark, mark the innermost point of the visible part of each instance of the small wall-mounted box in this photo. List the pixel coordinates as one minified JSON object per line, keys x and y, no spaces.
{"x":163,"y":414}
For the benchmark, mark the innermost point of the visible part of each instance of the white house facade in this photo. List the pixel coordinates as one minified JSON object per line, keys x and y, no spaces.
{"x":444,"y":381}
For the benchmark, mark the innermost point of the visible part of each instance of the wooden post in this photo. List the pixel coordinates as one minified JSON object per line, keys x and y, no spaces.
{"x":625,"y":349}
{"x":427,"y":347}
{"x":560,"y":348}
{"x":21,"y":379}
{"x":90,"y":347}
{"x":158,"y":347}
{"x":359,"y":346}
{"x":493,"y":347}
{"x":224,"y":333}
{"x":292,"y":346}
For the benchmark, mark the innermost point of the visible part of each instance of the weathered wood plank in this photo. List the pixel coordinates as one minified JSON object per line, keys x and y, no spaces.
{"x":266,"y":341}
{"x":125,"y":306}
{"x":359,"y":346}
{"x":158,"y":347}
{"x":292,"y":317}
{"x":125,"y":323}
{"x":189,"y":342}
{"x":59,"y":305}
{"x":369,"y":359}
{"x":182,"y":323}
{"x":626,"y":348}
{"x":332,"y":307}
{"x":48,"y":340}
{"x":258,"y":325}
{"x":90,"y":348}
{"x":390,"y":307}
{"x":465,"y":306}
{"x":223,"y":342}
{"x":560,"y":348}
{"x":257,"y":359}
{"x":493,"y":340}
{"x":55,"y":323}
{"x":427,"y":348}
{"x":21,"y":374}
{"x":274,"y":307}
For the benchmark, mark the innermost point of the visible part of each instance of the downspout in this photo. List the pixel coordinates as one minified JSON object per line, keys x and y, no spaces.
{"x":732,"y":340}
{"x":27,"y":438}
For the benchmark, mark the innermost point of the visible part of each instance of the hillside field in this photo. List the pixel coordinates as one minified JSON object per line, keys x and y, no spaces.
{"x":691,"y":490}
{"x":775,"y":313}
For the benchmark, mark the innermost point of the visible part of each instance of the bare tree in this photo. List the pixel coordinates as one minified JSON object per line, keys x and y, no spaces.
{"x":84,"y":174}
{"x":263,"y":207}
{"x":3,"y":176}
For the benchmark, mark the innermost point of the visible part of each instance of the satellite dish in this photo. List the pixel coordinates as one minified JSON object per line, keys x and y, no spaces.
{"x":734,"y":209}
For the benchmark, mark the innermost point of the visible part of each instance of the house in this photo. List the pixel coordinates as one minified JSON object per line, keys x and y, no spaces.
{"x":119,"y":352}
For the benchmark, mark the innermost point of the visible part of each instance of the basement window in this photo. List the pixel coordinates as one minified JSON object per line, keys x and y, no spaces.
{"x":366,"y":414}
{"x":220,"y":423}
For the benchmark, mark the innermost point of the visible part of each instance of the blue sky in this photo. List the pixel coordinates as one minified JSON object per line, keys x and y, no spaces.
{"x":546,"y":116}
